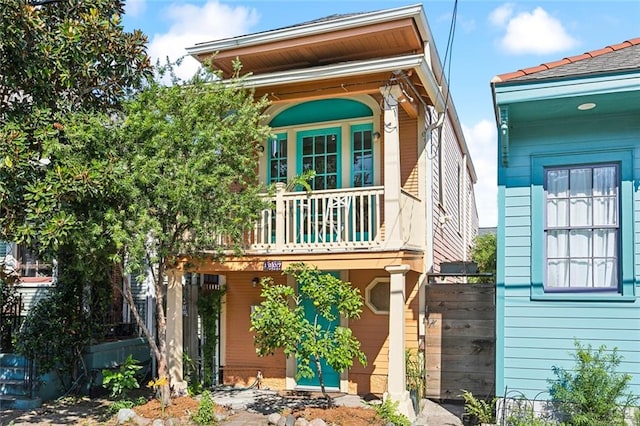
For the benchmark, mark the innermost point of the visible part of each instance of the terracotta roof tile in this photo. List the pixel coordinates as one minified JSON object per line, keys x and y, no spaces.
{"x":582,"y":64}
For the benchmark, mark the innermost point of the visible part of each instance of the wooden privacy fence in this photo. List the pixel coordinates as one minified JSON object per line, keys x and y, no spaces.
{"x":460,"y":340}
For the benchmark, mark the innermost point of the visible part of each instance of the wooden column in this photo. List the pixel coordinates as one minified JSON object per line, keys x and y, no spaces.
{"x":174,"y":329}
{"x":397,"y":379}
{"x":392,"y":216}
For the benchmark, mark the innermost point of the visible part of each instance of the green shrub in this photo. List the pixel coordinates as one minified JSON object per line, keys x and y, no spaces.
{"x":123,"y":379}
{"x":206,"y":411}
{"x":388,"y":411}
{"x":592,"y":393}
{"x":480,"y":409}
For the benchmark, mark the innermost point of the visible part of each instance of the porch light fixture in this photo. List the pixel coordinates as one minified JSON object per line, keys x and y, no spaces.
{"x":376,"y":137}
{"x":255,"y":281}
{"x":504,"y":135}
{"x":586,"y":106}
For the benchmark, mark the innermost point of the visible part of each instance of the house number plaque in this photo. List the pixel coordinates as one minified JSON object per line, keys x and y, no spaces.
{"x":272,"y":265}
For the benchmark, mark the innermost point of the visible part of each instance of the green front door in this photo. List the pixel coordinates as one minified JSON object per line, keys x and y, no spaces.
{"x":330,"y":377}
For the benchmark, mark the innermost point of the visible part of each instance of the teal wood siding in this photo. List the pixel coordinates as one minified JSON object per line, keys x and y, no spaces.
{"x":535,"y":335}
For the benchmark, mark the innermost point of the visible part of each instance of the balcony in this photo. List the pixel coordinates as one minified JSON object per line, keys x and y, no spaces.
{"x":323,"y":220}
{"x":348,"y":219}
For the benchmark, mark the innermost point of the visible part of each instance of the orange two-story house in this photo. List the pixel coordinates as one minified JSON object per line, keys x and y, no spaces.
{"x":360,"y":99}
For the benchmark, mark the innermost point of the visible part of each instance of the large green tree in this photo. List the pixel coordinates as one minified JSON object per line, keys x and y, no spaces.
{"x":192,"y":162}
{"x":280,"y":322}
{"x":484,"y":254}
{"x":59,"y":64}
{"x":65,"y":69}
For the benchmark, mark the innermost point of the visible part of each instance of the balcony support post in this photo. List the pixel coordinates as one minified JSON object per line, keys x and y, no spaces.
{"x":397,"y":380}
{"x":174,"y":329}
{"x":392,"y":214}
{"x":280,"y":216}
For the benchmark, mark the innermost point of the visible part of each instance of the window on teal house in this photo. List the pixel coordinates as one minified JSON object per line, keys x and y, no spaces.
{"x":277,"y":158}
{"x":582,"y":226}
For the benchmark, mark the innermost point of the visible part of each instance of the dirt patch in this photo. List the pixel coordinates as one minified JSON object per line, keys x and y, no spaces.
{"x":351,"y":416}
{"x":181,"y":407}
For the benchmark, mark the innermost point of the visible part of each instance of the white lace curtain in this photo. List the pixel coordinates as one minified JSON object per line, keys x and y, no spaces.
{"x":582,"y":227}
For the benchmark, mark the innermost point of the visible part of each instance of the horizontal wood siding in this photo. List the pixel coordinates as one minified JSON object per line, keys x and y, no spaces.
{"x":408,"y":153}
{"x":372,"y":330}
{"x":451,"y":242}
{"x":242,"y":361}
{"x":460,"y":341}
{"x":536,"y":335}
{"x":32,"y":293}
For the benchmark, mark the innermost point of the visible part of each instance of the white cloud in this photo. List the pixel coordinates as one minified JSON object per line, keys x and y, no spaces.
{"x":531,"y":32}
{"x":501,"y":15}
{"x":193,"y":24}
{"x":135,"y":7}
{"x":481,"y":139}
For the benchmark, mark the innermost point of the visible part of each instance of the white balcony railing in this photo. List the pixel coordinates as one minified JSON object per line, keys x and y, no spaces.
{"x":324,"y":219}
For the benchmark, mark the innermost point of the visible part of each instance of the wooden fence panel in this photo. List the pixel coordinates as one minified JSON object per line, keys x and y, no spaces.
{"x":460,"y":340}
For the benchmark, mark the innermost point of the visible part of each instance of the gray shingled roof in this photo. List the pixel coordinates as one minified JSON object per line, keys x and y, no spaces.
{"x":619,"y":60}
{"x":621,"y":57}
{"x":314,"y":21}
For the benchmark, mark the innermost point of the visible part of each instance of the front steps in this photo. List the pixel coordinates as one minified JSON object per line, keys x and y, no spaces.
{"x":14,"y":392}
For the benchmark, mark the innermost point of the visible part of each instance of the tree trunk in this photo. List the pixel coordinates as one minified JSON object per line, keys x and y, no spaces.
{"x":321,"y":380}
{"x":161,"y":325}
{"x":158,"y":348}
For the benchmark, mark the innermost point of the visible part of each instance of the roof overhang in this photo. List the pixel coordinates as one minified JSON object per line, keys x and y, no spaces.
{"x":316,"y":27}
{"x":376,"y":67}
{"x":544,"y":99}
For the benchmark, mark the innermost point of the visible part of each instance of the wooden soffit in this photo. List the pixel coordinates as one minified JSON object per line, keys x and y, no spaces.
{"x":379,"y":40}
{"x":310,"y":90}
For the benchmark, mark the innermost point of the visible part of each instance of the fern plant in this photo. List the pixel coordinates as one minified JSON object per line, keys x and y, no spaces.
{"x":388,"y":411}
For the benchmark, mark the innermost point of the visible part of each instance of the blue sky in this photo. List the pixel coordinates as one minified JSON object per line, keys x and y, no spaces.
{"x":491,"y":38}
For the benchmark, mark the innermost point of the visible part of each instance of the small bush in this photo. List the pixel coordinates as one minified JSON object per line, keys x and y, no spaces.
{"x":123,"y":379}
{"x":206,"y":411}
{"x":593,"y":392}
{"x":116,"y":406}
{"x":388,"y":411}
{"x":479,"y":409}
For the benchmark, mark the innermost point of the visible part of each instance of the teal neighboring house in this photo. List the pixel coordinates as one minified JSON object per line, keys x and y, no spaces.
{"x":569,"y":215}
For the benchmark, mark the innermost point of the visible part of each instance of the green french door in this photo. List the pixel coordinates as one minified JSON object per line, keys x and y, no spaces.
{"x":319,"y":150}
{"x":330,"y":376}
